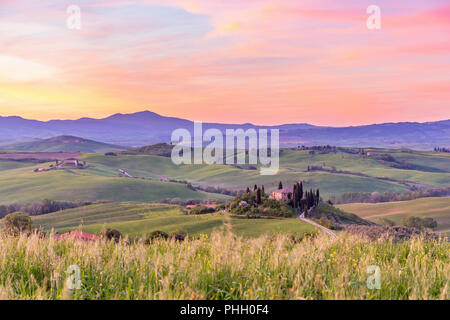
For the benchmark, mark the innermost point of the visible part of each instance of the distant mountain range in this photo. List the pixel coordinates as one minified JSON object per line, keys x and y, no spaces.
{"x":144,"y":128}
{"x":64,"y":144}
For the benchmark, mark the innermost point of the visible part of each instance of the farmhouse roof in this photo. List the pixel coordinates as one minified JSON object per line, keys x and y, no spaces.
{"x":77,"y":235}
{"x":283,"y":191}
{"x":190,"y":206}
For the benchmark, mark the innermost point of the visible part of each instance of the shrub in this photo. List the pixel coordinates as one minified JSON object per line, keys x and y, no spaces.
{"x":430,"y":223}
{"x":111,"y":234}
{"x":199,"y":209}
{"x":178,"y":235}
{"x":16,"y":223}
{"x":327,"y":223}
{"x":386,"y":222}
{"x":156,"y":235}
{"x":419,"y":223}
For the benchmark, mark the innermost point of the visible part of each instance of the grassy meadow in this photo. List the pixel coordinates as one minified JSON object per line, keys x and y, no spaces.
{"x":436,"y":208}
{"x":427,"y":169}
{"x":18,"y":182}
{"x":22,"y":185}
{"x":224,"y":266}
{"x":292,"y":167}
{"x":136,"y":220}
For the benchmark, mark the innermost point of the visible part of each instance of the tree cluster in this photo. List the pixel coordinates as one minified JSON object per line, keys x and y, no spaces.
{"x":256,"y":203}
{"x":437,"y":149}
{"x":200,"y":209}
{"x":304,"y":200}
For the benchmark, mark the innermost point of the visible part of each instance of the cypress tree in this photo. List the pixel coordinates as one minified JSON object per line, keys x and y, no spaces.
{"x":299,"y":197}
{"x":307,"y":200}
{"x":255,"y":187}
{"x":258,"y":196}
{"x":301,"y":190}
{"x":262,"y":190}
{"x":295,"y":197}
{"x":280,"y":186}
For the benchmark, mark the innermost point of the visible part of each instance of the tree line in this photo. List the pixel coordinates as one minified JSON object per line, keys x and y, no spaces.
{"x":42,"y":207}
{"x":376,"y":197}
{"x":437,"y":149}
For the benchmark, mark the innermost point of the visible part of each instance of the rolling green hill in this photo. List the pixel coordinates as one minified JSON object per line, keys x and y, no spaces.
{"x":64,"y":144}
{"x":138,"y":219}
{"x":22,"y":185}
{"x":336,"y":215}
{"x":337,"y":173}
{"x":352,"y":172}
{"x":436,"y":208}
{"x":343,"y":171}
{"x":11,"y":164}
{"x":159,"y":149}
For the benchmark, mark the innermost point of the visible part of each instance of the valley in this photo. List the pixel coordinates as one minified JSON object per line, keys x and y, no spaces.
{"x":153,"y":178}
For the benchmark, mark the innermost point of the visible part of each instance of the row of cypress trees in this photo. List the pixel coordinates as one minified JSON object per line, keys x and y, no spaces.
{"x":258,"y":192}
{"x":303,"y":200}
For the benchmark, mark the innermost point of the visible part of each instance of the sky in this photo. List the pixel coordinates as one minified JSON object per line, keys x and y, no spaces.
{"x":259,"y":61}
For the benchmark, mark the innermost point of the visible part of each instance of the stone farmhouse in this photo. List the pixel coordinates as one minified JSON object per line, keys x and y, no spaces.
{"x":281,"y":194}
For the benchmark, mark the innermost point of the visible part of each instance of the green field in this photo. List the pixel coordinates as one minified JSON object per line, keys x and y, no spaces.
{"x":139,"y":219}
{"x":10,"y":164}
{"x":18,"y":182}
{"x":436,"y":208}
{"x":22,"y":185}
{"x":434,"y":171}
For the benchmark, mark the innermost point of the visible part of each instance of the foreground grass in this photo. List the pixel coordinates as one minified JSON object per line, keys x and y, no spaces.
{"x":224,"y":266}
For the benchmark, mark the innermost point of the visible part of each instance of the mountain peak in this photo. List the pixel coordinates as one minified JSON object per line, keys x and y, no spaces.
{"x":64,"y":143}
{"x":67,"y":139}
{"x":137,"y":115}
{"x":146,"y":127}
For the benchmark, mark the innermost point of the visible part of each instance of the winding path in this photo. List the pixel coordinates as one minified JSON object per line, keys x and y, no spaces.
{"x":326,"y":230}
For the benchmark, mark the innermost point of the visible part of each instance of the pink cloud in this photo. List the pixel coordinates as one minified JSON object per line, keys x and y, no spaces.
{"x":312,"y":61}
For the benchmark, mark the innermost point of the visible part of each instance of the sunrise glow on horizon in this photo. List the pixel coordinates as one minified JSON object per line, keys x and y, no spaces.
{"x":263,"y":61}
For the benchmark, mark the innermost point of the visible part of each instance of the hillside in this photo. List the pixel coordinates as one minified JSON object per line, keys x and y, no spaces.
{"x":138,"y":219}
{"x":144,"y":128}
{"x":22,"y":185}
{"x":353,"y":172}
{"x":436,"y":208}
{"x":159,"y":149}
{"x":64,"y":144}
{"x":337,"y":216}
{"x":335,"y":173}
